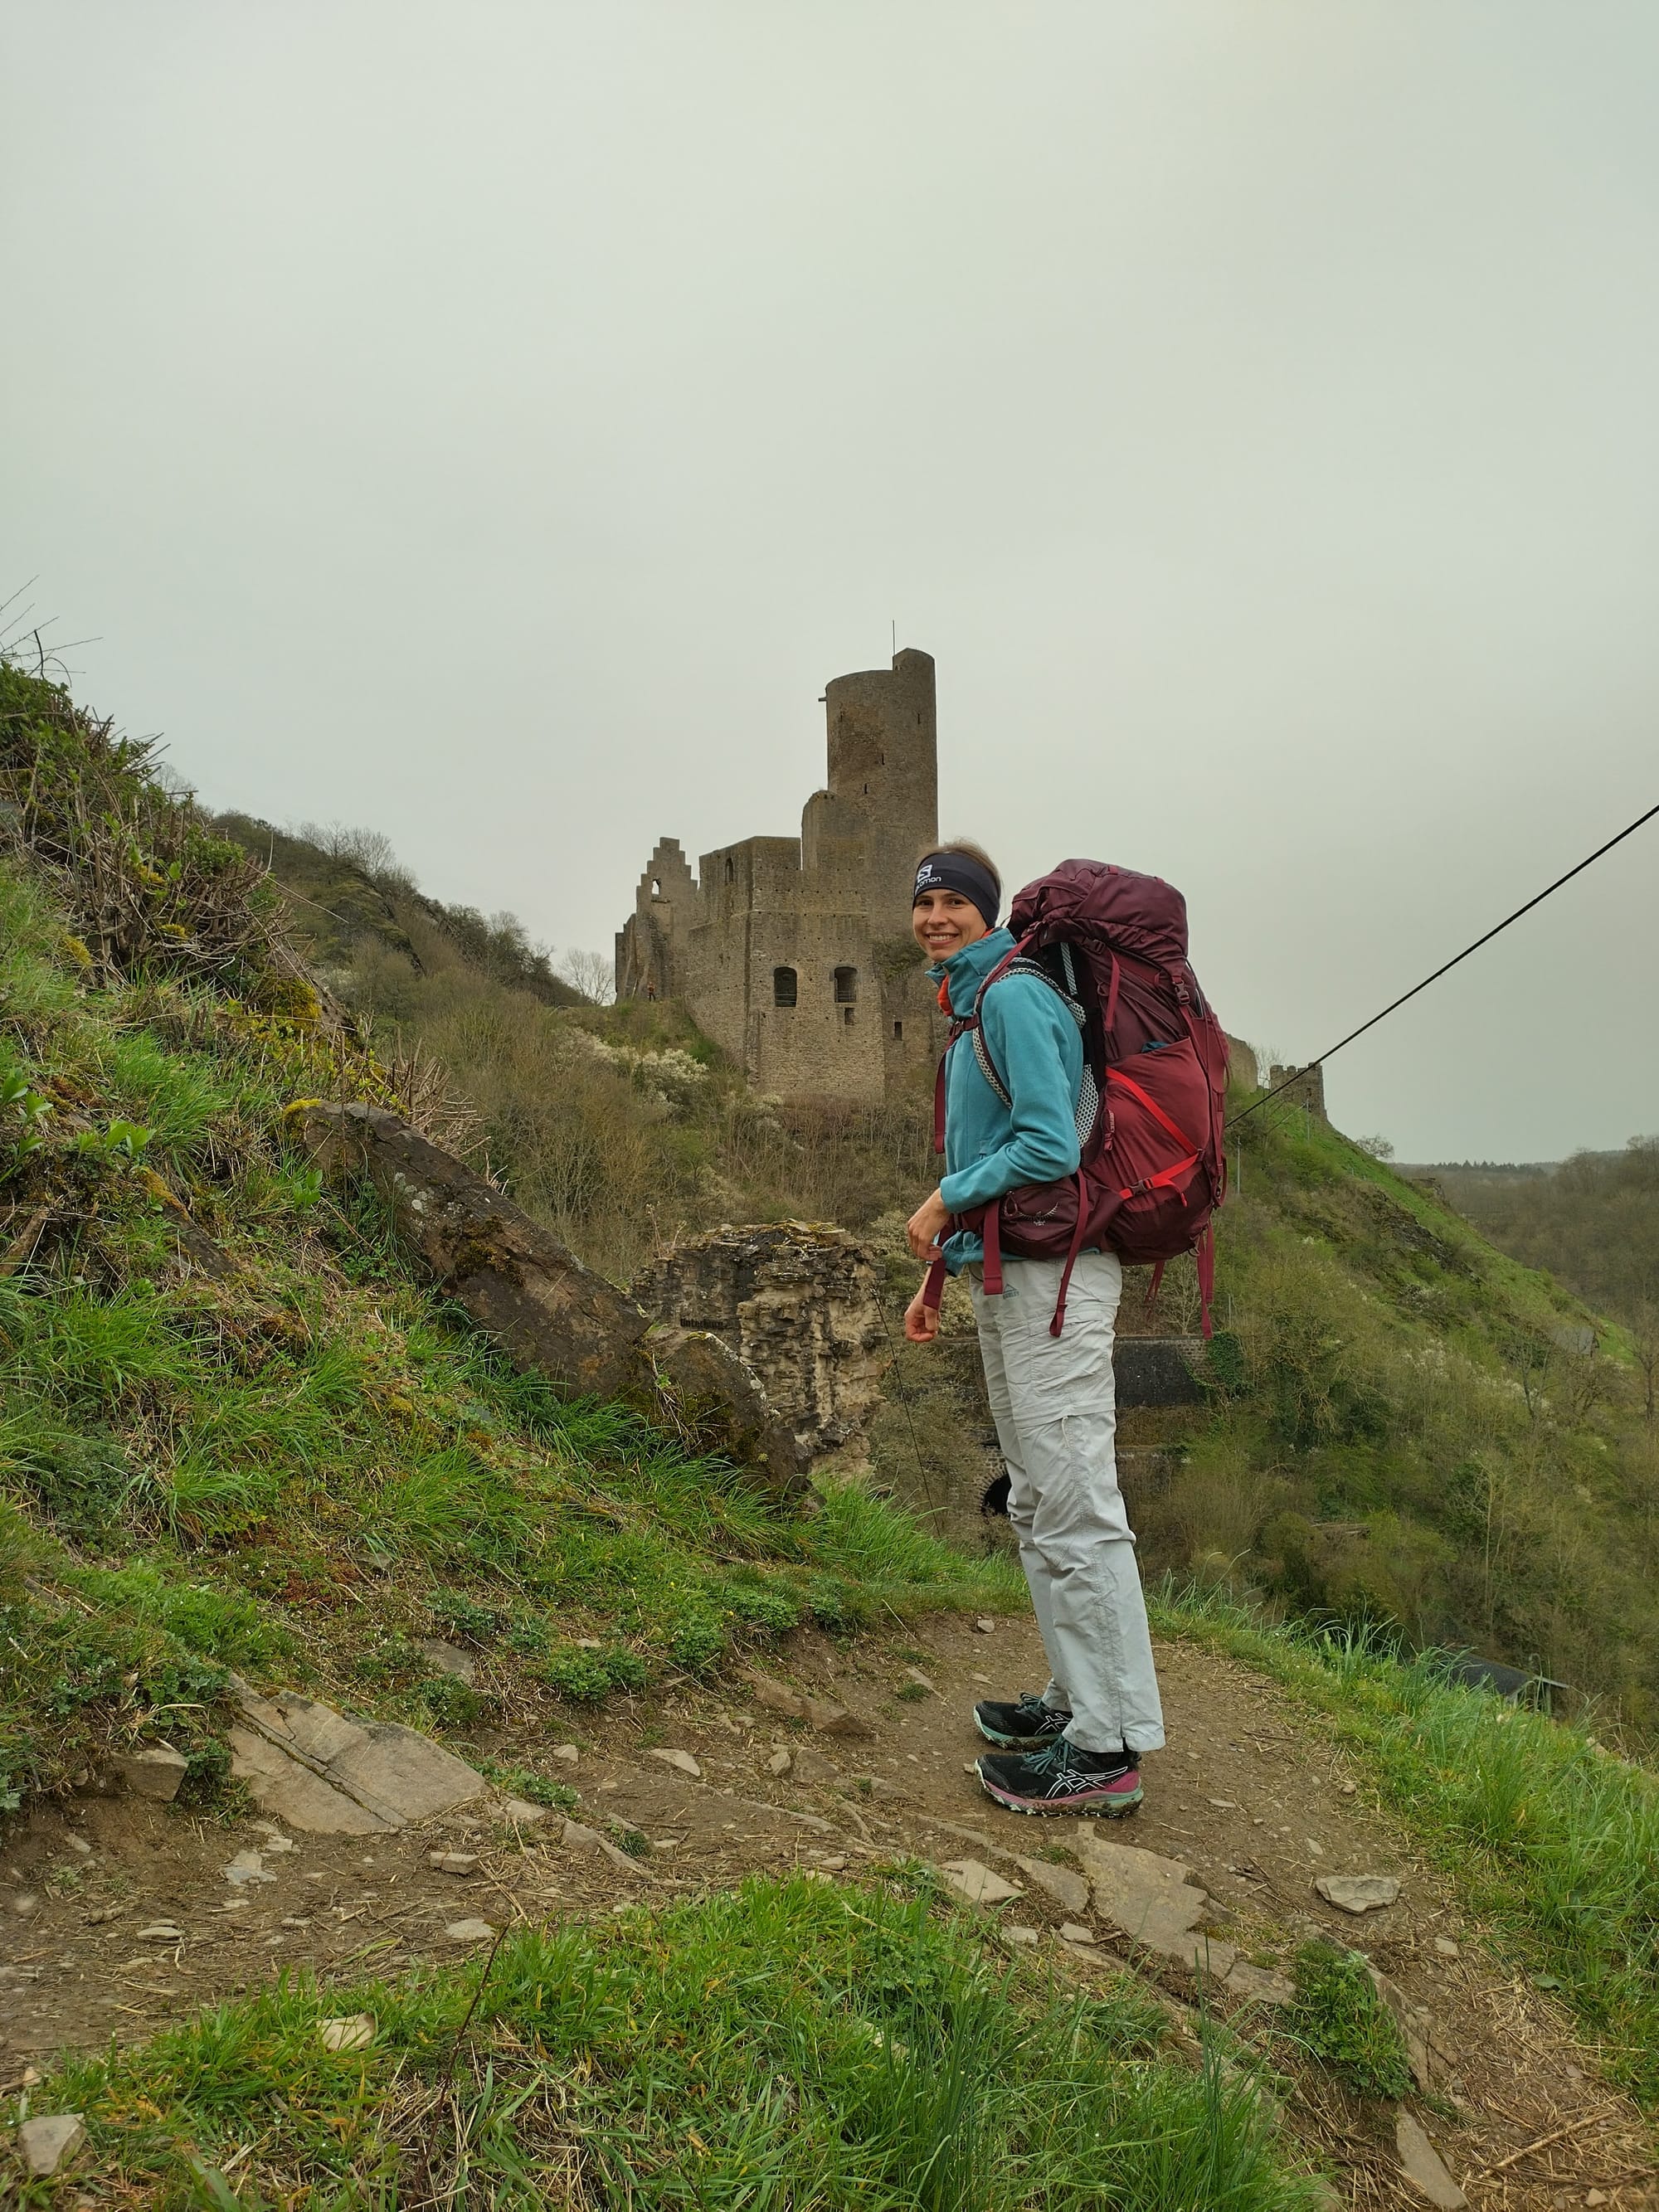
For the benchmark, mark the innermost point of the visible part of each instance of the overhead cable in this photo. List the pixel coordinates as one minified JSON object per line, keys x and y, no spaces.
{"x":1296,"y":1073}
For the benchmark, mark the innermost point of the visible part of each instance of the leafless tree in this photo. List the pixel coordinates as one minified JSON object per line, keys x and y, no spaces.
{"x":590,"y":973}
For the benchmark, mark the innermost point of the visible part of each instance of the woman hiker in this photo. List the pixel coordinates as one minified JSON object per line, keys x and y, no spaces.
{"x":1076,"y":1748}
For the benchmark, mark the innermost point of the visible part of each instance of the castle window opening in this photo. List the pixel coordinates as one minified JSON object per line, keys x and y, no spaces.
{"x":898,"y":1029}
{"x":656,"y":888}
{"x":847,"y":1012}
{"x":731,"y":870}
{"x":847,"y":986}
{"x":784,"y":985}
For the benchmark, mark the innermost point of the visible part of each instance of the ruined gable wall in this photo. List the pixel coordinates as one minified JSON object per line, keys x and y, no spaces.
{"x":651,"y":945}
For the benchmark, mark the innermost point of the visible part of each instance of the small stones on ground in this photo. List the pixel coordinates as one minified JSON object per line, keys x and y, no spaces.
{"x":162,"y":1932}
{"x":104,"y":1915}
{"x":1256,"y":1985}
{"x":1421,"y":2165}
{"x":449,"y":1659}
{"x":779,"y":1762}
{"x":970,"y":1879}
{"x":48,"y":2143}
{"x":834,"y":1863}
{"x":984,"y":1681}
{"x":154,"y":1772}
{"x":985,"y":1625}
{"x":1316,"y":1847}
{"x":914,"y":1674}
{"x":1349,"y":1789}
{"x":576,"y":1836}
{"x":248,"y":1866}
{"x":812,"y":1765}
{"x":820,"y":1713}
{"x":1073,"y":1931}
{"x":79,"y":1845}
{"x":522,"y":1813}
{"x":468,"y":1931}
{"x":683,"y":1762}
{"x":1447,"y":1948}
{"x":453,"y":1862}
{"x":1069,"y":1889}
{"x":26,"y":1905}
{"x":352,"y":2031}
{"x":275,"y":1841}
{"x":1222,"y":1804}
{"x":1358,"y":1893}
{"x":566,"y":1753}
{"x":1026,"y":1936}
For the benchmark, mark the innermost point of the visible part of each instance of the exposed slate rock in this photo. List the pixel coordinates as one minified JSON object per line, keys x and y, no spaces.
{"x":546,"y":1311}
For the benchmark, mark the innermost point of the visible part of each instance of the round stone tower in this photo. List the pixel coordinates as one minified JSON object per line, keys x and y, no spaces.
{"x":883,"y":765}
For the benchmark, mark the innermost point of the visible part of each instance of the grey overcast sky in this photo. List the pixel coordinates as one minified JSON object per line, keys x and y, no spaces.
{"x":493,"y":423}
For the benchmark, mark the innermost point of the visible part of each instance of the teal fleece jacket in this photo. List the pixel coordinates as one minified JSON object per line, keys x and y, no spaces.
{"x":990,"y":1148}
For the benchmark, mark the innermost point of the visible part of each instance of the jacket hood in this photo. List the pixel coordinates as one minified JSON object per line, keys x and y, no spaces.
{"x":969,"y":969}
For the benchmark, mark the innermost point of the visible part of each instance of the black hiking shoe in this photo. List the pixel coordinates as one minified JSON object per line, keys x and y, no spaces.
{"x":1062,"y":1778}
{"x":1022,"y":1727}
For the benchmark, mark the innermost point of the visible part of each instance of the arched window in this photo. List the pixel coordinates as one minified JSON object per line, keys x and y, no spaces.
{"x":783,"y":986}
{"x":847,"y":986}
{"x":656,"y":887}
{"x":731,"y":870}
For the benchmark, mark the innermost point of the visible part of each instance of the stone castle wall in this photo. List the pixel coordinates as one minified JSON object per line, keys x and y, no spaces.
{"x":795,"y":954}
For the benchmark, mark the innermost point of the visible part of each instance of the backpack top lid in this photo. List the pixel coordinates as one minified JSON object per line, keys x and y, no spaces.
{"x":1096,"y":903}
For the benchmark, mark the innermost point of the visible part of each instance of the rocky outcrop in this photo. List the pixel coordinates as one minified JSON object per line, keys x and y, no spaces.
{"x":544,"y":1309}
{"x":797,"y":1302}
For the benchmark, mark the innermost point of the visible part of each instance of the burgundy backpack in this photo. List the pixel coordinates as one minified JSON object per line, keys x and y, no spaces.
{"x":1113,"y":946}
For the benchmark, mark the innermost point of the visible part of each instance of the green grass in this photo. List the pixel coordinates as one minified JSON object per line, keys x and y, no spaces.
{"x":301,"y":1469}
{"x":1550,"y":1840}
{"x":788,"y":2044}
{"x":1339,"y":2019}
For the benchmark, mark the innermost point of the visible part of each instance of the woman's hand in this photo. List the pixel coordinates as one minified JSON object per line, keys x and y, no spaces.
{"x":921,"y":1320}
{"x":923,"y":1229}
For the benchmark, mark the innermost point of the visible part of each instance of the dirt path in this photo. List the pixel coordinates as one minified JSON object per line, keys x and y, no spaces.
{"x":1249,"y":1796}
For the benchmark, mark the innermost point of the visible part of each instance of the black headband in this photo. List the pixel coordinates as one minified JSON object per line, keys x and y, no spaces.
{"x":956,"y":871}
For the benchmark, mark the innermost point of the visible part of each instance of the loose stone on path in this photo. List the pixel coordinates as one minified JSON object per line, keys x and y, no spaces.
{"x":1358,"y":1893}
{"x":1421,"y":2165}
{"x":970,"y":1879}
{"x":47,"y":2143}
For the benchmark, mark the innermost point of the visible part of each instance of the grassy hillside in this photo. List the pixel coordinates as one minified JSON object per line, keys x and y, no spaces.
{"x":621,"y":1127}
{"x":235,"y":1432}
{"x":1593,"y":1221}
{"x":1411,"y":1430}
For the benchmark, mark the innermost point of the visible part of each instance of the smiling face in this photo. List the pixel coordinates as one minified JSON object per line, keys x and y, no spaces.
{"x":944,"y":921}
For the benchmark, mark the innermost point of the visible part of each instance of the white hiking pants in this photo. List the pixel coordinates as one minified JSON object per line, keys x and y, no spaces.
{"x":1055,"y":1402}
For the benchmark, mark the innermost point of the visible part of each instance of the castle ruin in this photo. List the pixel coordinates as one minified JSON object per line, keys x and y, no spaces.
{"x":795,"y":954}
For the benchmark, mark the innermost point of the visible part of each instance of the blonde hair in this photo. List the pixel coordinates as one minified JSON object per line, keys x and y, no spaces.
{"x":969,"y":851}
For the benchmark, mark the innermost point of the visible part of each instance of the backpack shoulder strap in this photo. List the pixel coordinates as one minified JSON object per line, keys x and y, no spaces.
{"x":1019,"y":964}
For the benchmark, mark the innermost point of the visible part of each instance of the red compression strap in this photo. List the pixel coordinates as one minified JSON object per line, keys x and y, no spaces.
{"x":991,"y":1230}
{"x":933,"y":1291}
{"x":1111,"y":998}
{"x":1116,"y":1075}
{"x":1205,"y":1258}
{"x":1058,"y":1322}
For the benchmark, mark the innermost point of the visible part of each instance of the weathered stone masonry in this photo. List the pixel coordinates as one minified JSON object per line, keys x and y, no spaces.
{"x":795,"y":954}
